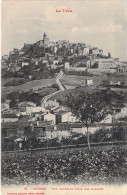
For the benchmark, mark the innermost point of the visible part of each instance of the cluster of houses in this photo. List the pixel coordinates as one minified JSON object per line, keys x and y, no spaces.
{"x":107,"y":65}
{"x":52,"y":54}
{"x":26,"y":56}
{"x":53,"y":121}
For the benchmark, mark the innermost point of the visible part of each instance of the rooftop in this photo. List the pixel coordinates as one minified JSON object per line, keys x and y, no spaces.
{"x":61,"y":112}
{"x":26,"y":105}
{"x":9,"y":115}
{"x":50,"y":127}
{"x":24,"y":118}
{"x":45,"y":122}
{"x":63,"y":126}
{"x":14,"y":125}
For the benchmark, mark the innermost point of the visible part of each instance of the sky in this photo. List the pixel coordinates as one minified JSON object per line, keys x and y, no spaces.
{"x":100,"y":23}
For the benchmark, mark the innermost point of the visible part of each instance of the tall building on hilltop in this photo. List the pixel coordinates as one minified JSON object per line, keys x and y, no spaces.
{"x":45,"y":39}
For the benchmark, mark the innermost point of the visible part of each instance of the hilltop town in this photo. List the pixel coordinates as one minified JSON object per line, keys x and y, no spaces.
{"x":36,"y":81}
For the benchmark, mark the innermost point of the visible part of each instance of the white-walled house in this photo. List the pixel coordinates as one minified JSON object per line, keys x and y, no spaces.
{"x":63,"y":134}
{"x":51,"y":103}
{"x":55,"y":49}
{"x":21,"y":53}
{"x":66,"y":130}
{"x":107,"y":119}
{"x":106,"y":64}
{"x":25,"y":64}
{"x":51,"y":134}
{"x":58,"y":131}
{"x":119,"y":115}
{"x":53,"y":66}
{"x":26,"y":107}
{"x":38,"y":109}
{"x":67,"y":65}
{"x":5,"y":105}
{"x":87,"y":82}
{"x":103,"y":64}
{"x":36,"y":115}
{"x":115,"y":83}
{"x":80,"y":69}
{"x":83,"y":130}
{"x":45,"y":61}
{"x":72,"y":50}
{"x":86,"y":51}
{"x":65,"y":116}
{"x":79,"y":128}
{"x":47,"y":116}
{"x":55,"y":62}
{"x":90,"y":63}
{"x":124,"y":109}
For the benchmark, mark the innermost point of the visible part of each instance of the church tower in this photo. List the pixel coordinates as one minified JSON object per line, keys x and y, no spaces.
{"x":45,"y":39}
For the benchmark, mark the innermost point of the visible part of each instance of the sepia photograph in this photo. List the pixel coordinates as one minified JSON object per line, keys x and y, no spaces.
{"x":64,"y":97}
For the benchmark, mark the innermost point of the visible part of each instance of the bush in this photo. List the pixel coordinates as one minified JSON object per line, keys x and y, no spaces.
{"x":55,"y":86}
{"x":16,"y":82}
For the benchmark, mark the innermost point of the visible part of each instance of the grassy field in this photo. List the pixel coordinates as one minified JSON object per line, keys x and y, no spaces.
{"x":73,"y":85}
{"x":72,"y":81}
{"x":6,"y":80}
{"x":75,"y":80}
{"x":47,"y":91}
{"x":118,"y":77}
{"x":34,"y":85}
{"x":77,"y":90}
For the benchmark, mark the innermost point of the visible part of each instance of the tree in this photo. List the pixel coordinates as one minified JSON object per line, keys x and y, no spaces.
{"x":88,"y":108}
{"x":13,"y":95}
{"x":13,"y":103}
{"x":109,"y":55}
{"x":59,"y":63}
{"x":119,"y":130}
{"x":105,"y":82}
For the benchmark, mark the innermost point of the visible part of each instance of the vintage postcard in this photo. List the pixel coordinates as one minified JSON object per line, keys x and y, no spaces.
{"x":64,"y":97}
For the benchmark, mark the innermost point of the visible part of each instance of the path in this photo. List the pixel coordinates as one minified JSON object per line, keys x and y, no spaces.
{"x":61,"y":88}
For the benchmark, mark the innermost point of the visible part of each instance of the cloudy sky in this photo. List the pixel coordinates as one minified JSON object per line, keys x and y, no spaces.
{"x":101,"y":23}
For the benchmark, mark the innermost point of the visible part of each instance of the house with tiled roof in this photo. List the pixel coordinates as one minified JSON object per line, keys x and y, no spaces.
{"x":37,"y":110}
{"x":14,"y":128}
{"x":51,"y":103}
{"x":58,"y":131}
{"x":40,"y":131}
{"x":65,"y":116}
{"x":124,"y":109}
{"x":9,"y":117}
{"x":47,"y":116}
{"x":50,"y":122}
{"x":26,"y":107}
{"x":122,"y":68}
{"x":63,"y":127}
{"x":41,"y":127}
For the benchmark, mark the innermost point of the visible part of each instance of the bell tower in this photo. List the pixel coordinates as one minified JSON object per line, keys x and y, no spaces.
{"x":45,"y":39}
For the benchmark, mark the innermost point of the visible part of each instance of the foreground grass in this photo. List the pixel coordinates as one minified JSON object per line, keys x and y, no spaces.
{"x":104,"y":165}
